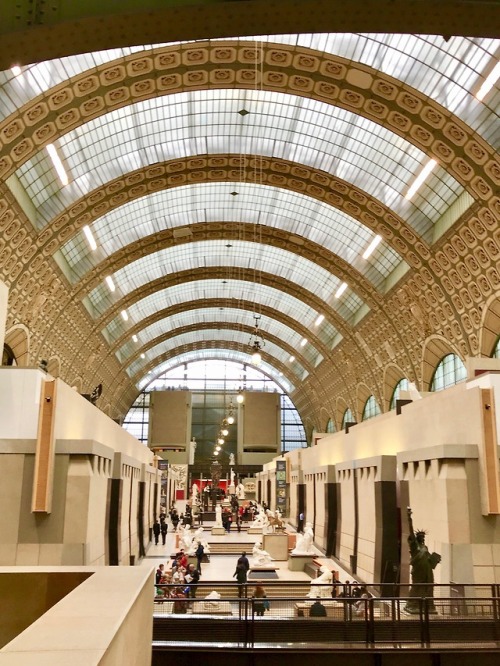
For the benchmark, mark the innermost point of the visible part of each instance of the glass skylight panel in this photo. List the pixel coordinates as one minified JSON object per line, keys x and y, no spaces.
{"x":446,"y":71}
{"x":238,"y":318}
{"x":200,"y":336}
{"x":317,"y":134}
{"x":269,"y":206}
{"x":192,"y":256}
{"x":224,"y":355}
{"x":233,"y":292}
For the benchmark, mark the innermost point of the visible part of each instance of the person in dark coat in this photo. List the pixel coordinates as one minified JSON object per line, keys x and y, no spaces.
{"x":200,"y":551}
{"x":163,"y":530}
{"x":156,"y":531}
{"x":241,"y":578}
{"x":243,"y":559}
{"x":317,"y":609}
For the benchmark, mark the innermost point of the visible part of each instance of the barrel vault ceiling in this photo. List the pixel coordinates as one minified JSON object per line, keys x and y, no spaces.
{"x":230,"y":179}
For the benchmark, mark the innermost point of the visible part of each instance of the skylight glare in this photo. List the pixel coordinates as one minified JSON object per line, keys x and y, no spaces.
{"x":58,"y":165}
{"x":110,"y":283}
{"x":369,"y":250}
{"x":420,"y":178}
{"x":90,"y":237}
{"x":488,"y":84}
{"x":341,"y":290}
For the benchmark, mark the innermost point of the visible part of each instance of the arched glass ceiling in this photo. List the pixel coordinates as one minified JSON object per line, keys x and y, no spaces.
{"x":209,"y":335}
{"x":450,"y":72}
{"x":278,"y":125}
{"x":229,"y":294}
{"x":221,"y":354}
{"x":233,"y":316}
{"x":241,"y":255}
{"x":255,"y":204}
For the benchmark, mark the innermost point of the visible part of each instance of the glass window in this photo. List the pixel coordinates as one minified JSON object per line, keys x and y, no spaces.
{"x":496,"y":349}
{"x":450,"y":371}
{"x":347,"y":418}
{"x":214,"y":384}
{"x":402,"y":385}
{"x":371,"y":409}
{"x":330,"y":426}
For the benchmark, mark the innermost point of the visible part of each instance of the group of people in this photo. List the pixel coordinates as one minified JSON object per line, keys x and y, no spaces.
{"x":160,"y":527}
{"x":179,"y":583}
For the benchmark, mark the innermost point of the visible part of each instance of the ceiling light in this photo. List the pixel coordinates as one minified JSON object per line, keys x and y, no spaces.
{"x":217,"y":448}
{"x":124,"y":315}
{"x":240,"y":398}
{"x":369,"y":250}
{"x":216,"y":453}
{"x":220,"y":441}
{"x":225,"y":432}
{"x":303,"y":342}
{"x":319,"y":320}
{"x":256,"y":342}
{"x":489,"y":82}
{"x":420,"y":178}
{"x":90,"y":237}
{"x":58,"y":165}
{"x":143,"y":356}
{"x":110,"y":283}
{"x":134,"y":338}
{"x":341,"y":290}
{"x":230,"y":419}
{"x":16,"y":70}
{"x":291,"y":359}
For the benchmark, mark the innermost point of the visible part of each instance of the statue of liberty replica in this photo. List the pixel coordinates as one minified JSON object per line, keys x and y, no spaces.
{"x":422,"y":564}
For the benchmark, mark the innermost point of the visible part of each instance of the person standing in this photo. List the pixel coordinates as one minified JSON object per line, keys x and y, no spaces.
{"x":200,"y":551}
{"x":300,"y":525}
{"x":261,"y":603}
{"x":243,"y":559}
{"x":192,"y":579}
{"x":200,"y":515}
{"x":156,"y":531}
{"x":163,"y":530}
{"x":241,"y":578}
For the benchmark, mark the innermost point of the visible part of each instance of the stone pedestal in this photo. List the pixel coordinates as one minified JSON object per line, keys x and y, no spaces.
{"x":298,"y":562}
{"x":267,"y":571}
{"x":254,"y":530}
{"x":218,"y":531}
{"x":276,"y":545}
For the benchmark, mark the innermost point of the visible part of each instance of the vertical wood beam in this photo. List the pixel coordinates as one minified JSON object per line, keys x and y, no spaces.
{"x":488,"y":457}
{"x":43,"y":479}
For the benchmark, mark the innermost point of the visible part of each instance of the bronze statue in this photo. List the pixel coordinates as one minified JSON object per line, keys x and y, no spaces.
{"x":423,"y":564}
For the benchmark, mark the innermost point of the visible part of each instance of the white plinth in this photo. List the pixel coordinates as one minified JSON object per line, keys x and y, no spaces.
{"x":254,"y":530}
{"x":218,"y":531}
{"x":276,"y":545}
{"x":298,"y":562}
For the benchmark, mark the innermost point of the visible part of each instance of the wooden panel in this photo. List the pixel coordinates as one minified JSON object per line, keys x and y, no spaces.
{"x":490,"y":490}
{"x":45,"y":451}
{"x":170,"y":419}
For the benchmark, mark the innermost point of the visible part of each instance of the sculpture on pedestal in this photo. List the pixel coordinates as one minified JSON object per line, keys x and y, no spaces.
{"x":240,"y":491}
{"x":218,"y":516}
{"x":321,"y":587}
{"x":422,"y":564}
{"x":304,"y":543}
{"x":260,"y":557}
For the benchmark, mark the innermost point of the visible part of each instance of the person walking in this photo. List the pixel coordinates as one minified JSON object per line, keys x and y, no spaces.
{"x":156,"y":531}
{"x":163,"y":530}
